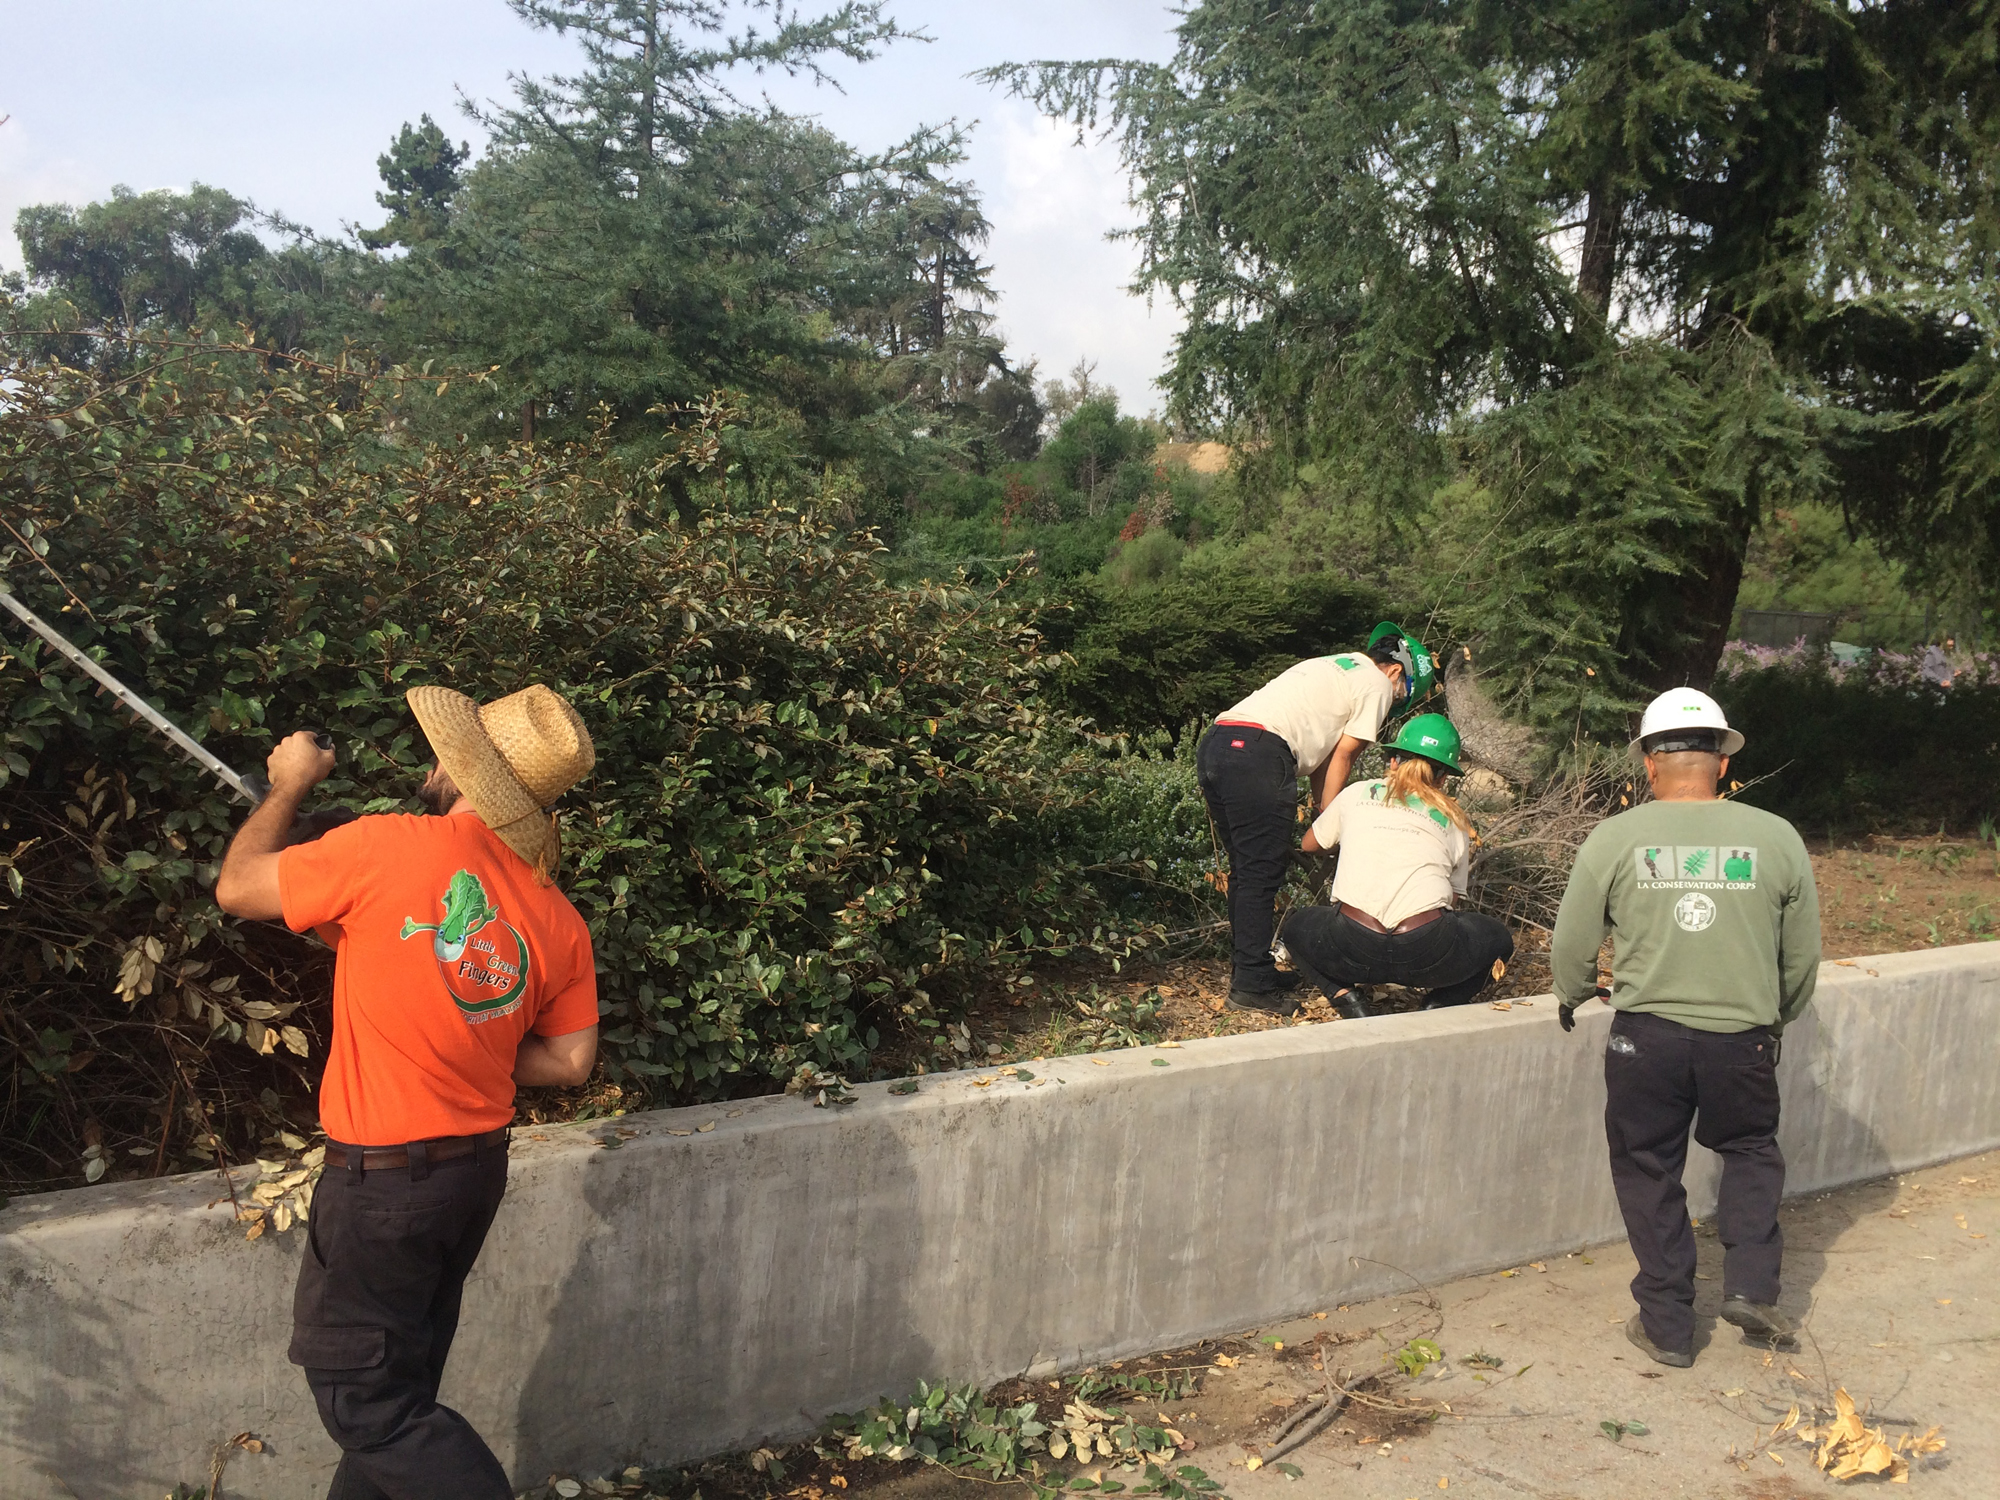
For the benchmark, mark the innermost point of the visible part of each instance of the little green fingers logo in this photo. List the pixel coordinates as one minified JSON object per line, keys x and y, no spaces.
{"x":483,"y":961}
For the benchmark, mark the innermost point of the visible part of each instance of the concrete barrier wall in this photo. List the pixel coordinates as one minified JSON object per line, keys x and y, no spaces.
{"x":675,"y":1296}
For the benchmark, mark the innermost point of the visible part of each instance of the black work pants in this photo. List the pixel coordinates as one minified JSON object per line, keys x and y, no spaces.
{"x":387,"y":1253}
{"x":1451,"y":958}
{"x":1250,"y":780}
{"x":1660,"y":1077}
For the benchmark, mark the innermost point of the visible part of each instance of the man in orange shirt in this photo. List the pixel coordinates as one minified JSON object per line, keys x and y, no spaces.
{"x":460,"y":972}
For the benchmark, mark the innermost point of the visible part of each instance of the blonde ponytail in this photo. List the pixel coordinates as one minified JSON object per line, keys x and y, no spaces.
{"x":1411,"y":778}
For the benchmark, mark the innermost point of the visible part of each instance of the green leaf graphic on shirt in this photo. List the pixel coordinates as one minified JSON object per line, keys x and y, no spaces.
{"x":466,"y":910}
{"x":1695,"y":863}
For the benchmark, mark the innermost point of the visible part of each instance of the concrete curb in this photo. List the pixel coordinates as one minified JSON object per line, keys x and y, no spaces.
{"x":672,"y":1295}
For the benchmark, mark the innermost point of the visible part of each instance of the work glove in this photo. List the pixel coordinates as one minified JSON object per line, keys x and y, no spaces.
{"x":1566,"y":1012}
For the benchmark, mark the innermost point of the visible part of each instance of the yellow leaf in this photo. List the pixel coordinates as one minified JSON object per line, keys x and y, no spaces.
{"x":1226,"y":1362}
{"x":704,"y":1129}
{"x":1253,"y":1462}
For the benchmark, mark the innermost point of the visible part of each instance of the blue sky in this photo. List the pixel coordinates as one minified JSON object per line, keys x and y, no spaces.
{"x":289,"y":104}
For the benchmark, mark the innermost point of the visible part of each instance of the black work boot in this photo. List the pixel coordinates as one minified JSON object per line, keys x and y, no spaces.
{"x":1344,"y":1001}
{"x":1263,"y":1002}
{"x":1762,"y":1324}
{"x":1635,"y":1330}
{"x":1348,"y":1005}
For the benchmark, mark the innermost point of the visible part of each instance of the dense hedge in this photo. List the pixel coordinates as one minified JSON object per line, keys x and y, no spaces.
{"x":818,"y":795}
{"x":1155,"y":659}
{"x":1865,"y":747}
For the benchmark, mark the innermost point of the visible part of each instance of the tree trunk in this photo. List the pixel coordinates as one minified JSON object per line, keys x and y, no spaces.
{"x":527,"y":421}
{"x":1703,"y":604}
{"x":1598,"y":270}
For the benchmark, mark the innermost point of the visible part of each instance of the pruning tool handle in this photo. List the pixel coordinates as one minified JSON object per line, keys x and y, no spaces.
{"x":308,"y":826}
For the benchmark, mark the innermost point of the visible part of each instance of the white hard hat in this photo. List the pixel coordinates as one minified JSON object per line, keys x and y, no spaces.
{"x":1687,"y":708}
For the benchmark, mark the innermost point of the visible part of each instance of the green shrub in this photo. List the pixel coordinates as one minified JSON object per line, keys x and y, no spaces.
{"x":1154,"y":659}
{"x":1865,"y":747}
{"x":819,"y":796}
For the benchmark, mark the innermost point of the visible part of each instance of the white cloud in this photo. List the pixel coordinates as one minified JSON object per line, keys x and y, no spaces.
{"x":1062,"y":283}
{"x":31,"y":173}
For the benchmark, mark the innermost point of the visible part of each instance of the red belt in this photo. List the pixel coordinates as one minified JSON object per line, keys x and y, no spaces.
{"x":377,"y":1158}
{"x":1421,"y":919}
{"x":1245,"y":724}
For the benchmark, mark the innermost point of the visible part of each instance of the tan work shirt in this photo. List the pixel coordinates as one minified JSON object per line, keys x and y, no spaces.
{"x":1310,"y":706}
{"x":1395,"y":860}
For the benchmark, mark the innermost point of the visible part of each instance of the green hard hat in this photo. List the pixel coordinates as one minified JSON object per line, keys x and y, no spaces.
{"x":1430,"y":736}
{"x":1419,"y":666}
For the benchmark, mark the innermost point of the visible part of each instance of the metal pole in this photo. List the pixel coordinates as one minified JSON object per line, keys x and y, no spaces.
{"x":132,"y":700}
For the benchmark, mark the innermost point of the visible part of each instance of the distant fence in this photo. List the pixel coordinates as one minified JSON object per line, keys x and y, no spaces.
{"x":1895,"y":630}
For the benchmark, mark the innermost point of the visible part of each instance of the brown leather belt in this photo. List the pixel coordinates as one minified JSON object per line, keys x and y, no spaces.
{"x":1421,"y":919}
{"x":379,"y":1158}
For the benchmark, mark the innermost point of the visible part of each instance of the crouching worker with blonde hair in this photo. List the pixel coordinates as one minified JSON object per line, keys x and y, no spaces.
{"x":1405,"y":855}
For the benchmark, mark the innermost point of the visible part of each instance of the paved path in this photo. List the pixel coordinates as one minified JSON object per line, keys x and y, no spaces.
{"x":1898,"y":1283}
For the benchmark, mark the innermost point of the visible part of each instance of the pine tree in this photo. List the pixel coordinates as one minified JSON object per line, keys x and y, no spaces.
{"x":421,"y":173}
{"x":1570,"y":293}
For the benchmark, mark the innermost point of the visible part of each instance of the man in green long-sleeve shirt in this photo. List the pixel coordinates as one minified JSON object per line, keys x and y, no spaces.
{"x":1715,"y":923}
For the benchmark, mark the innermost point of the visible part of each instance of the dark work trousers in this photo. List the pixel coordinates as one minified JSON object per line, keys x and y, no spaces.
{"x":1250,"y":780}
{"x":1451,"y":959}
{"x":386,"y":1257}
{"x":1660,"y":1077}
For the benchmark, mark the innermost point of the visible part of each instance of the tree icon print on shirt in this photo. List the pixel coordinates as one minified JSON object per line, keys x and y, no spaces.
{"x":1697,"y":862}
{"x":482,"y":960}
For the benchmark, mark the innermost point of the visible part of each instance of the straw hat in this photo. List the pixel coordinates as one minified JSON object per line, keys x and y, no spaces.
{"x":510,"y":759}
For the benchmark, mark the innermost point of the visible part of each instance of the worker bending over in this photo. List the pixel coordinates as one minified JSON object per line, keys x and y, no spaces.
{"x":1716,"y":922}
{"x":1312,"y":718}
{"x":1405,"y":855}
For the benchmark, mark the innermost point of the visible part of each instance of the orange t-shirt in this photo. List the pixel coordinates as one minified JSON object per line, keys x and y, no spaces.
{"x":447,"y":953}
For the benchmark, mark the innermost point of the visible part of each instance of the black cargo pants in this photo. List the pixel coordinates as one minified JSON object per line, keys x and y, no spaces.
{"x":1660,"y":1077}
{"x":1250,"y":780}
{"x":1450,"y":958}
{"x":386,"y":1257}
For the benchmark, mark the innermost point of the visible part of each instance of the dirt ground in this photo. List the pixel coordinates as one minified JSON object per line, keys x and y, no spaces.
{"x":1895,"y":1284}
{"x":1877,"y":895}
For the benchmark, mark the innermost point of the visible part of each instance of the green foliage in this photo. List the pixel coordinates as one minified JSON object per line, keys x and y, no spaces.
{"x":1705,"y":261}
{"x":421,"y":172}
{"x":636,"y":238}
{"x":1159,"y":658}
{"x":1415,"y":1356}
{"x":957,"y":1428}
{"x":1803,"y":557}
{"x":1606,"y":506}
{"x":820,"y":798}
{"x":947,"y":1424}
{"x":149,"y":260}
{"x":1864,"y":748}
{"x":1093,"y":441}
{"x":1619,"y":1431}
